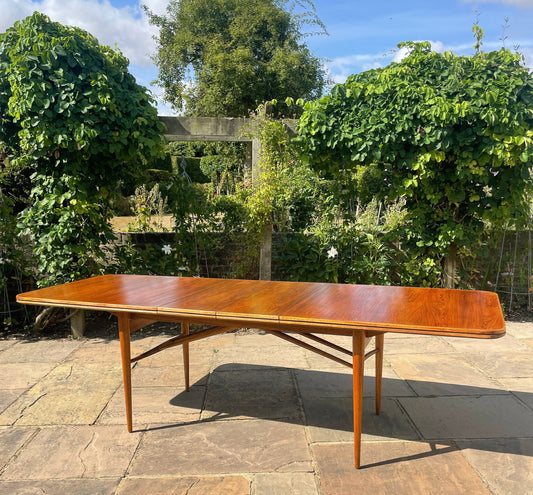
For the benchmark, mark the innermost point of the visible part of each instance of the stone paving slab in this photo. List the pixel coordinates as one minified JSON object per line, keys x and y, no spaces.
{"x":519,"y":387}
{"x":399,"y":468}
{"x":215,"y":485}
{"x":223,"y":447}
{"x":520,"y":330}
{"x":509,"y":365}
{"x":217,"y":341}
{"x":40,"y":351}
{"x":266,"y":417}
{"x":272,"y":356}
{"x":72,"y":393}
{"x":285,"y":483}
{"x":506,"y":464}
{"x":442,"y":374}
{"x":169,"y":376}
{"x":489,"y":416}
{"x":74,"y":452}
{"x":161,"y":405}
{"x":252,"y":392}
{"x":331,"y":420}
{"x":6,"y":344}
{"x":334,"y":383}
{"x":507,"y":343}
{"x":320,"y":363}
{"x":11,"y":441}
{"x":7,"y":397}
{"x":96,"y":351}
{"x":259,"y":339}
{"x":417,"y":344}
{"x":59,"y":487}
{"x":22,"y":375}
{"x":174,"y":357}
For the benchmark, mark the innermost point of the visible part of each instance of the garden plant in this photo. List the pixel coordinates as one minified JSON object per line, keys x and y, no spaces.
{"x":451,"y":135}
{"x":388,"y":179}
{"x":73,"y":116}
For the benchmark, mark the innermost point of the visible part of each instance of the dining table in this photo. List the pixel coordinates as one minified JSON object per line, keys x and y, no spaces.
{"x":306,"y":314}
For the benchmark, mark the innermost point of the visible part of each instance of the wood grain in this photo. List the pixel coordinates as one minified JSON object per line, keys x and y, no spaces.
{"x":360,"y":311}
{"x":296,"y":306}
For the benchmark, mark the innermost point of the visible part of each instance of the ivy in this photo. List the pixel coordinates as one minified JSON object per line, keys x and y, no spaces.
{"x":452,"y":135}
{"x":72,"y":113}
{"x":285,"y":189}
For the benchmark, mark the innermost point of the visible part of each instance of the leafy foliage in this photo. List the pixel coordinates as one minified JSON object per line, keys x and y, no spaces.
{"x":285,"y":189}
{"x":362,"y":247}
{"x":15,"y":263}
{"x":72,"y":113}
{"x":148,"y":207}
{"x":452,"y":135}
{"x":225,"y":57}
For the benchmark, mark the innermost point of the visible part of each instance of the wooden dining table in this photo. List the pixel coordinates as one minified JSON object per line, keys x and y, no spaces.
{"x":294,"y":311}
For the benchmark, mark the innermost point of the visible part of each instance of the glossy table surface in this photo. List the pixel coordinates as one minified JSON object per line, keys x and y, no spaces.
{"x":297,"y":306}
{"x":364,"y":312}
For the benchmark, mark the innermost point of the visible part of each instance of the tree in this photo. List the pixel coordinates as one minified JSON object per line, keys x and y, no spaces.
{"x":225,"y":57}
{"x":72,"y":113}
{"x":452,"y":134}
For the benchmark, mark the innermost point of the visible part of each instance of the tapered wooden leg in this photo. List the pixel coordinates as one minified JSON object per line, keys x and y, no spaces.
{"x":358,"y":377}
{"x":185,"y":331}
{"x":125,"y":352}
{"x":379,"y":370}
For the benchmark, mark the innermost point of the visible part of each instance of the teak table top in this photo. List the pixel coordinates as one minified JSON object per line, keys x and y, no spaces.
{"x":362,"y":311}
{"x":291,"y":306}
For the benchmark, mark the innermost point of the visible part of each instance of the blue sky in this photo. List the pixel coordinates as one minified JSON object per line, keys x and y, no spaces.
{"x":362,"y":35}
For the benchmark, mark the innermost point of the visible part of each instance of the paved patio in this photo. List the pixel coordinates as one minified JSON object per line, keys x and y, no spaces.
{"x":267,"y":417}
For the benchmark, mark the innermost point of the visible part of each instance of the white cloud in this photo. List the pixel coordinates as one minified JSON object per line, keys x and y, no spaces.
{"x":126,"y":27}
{"x":156,"y":6}
{"x":340,"y":68}
{"x":13,"y":11}
{"x":527,"y":53}
{"x":401,"y":53}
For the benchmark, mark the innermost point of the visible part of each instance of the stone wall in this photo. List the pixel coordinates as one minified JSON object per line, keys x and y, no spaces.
{"x":222,"y":256}
{"x":507,"y":260}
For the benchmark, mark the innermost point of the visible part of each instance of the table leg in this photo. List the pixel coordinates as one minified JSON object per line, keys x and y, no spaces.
{"x":185,"y":331}
{"x":379,"y":370}
{"x":358,"y":377}
{"x":125,"y":352}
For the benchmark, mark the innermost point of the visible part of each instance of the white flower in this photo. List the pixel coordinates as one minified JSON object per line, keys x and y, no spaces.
{"x":1,"y":260}
{"x":488,"y":191}
{"x":166,"y":249}
{"x":332,"y":252}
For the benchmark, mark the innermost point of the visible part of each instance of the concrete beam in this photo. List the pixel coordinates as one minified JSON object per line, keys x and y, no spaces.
{"x":210,"y":128}
{"x":205,"y":128}
{"x":227,"y":129}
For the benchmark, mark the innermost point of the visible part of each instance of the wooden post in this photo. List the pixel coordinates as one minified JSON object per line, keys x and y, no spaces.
{"x":265,"y":248}
{"x":450,"y":267}
{"x":255,"y":149}
{"x":265,"y":254}
{"x":77,"y":323}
